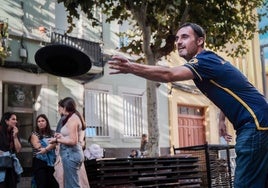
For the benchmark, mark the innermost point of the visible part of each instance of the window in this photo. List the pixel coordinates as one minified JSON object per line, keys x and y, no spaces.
{"x":187,"y":110}
{"x":20,"y":95}
{"x":133,"y":115}
{"x":96,"y":113}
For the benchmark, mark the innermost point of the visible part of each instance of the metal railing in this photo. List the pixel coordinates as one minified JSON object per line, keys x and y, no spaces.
{"x":92,"y":49}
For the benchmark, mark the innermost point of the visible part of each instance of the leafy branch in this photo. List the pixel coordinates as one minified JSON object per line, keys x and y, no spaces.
{"x":4,"y":47}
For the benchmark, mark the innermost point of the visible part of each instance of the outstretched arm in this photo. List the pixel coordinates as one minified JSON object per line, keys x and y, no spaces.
{"x":155,"y":73}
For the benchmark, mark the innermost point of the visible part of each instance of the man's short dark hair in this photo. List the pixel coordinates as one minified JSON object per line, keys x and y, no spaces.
{"x":198,"y":30}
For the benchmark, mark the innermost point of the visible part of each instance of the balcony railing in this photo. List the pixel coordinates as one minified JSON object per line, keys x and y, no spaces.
{"x":92,"y":49}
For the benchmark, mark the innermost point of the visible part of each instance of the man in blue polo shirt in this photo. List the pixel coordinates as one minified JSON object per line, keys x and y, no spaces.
{"x":225,"y":86}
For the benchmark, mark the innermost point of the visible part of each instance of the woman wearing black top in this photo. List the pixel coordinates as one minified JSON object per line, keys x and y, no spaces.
{"x":9,"y":141}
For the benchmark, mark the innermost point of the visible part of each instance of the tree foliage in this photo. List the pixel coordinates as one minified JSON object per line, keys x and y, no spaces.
{"x":155,"y":22}
{"x":4,"y":46}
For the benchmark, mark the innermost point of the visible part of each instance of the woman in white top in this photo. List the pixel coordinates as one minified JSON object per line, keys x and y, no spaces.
{"x":71,"y":151}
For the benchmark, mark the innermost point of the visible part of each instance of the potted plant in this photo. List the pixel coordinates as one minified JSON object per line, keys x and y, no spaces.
{"x":4,"y":47}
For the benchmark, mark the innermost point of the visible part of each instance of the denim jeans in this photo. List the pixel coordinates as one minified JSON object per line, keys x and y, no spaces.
{"x":72,"y":158}
{"x":252,"y":157}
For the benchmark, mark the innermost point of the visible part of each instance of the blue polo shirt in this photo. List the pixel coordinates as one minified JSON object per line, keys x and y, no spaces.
{"x":229,"y":89}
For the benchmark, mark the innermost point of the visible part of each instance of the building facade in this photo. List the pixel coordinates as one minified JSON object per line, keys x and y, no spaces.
{"x":114,"y":107}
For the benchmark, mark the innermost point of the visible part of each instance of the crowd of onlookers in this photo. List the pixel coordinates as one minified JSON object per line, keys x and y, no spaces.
{"x":57,"y":155}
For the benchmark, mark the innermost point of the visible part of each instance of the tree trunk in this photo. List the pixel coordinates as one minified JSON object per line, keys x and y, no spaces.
{"x":153,"y":129}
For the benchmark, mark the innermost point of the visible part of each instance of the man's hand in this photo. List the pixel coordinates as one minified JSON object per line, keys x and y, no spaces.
{"x":223,"y":129}
{"x":228,"y":137}
{"x":120,"y":64}
{"x":223,"y":132}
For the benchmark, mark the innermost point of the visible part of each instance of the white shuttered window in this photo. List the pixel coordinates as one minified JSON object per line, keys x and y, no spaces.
{"x":96,"y":113}
{"x":133,"y":115}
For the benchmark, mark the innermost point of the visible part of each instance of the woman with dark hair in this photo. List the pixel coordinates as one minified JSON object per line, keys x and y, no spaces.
{"x":9,"y":142}
{"x":71,"y":143}
{"x":43,"y":153}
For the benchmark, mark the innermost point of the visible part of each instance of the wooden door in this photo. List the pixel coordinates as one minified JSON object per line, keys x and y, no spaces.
{"x":191,"y":129}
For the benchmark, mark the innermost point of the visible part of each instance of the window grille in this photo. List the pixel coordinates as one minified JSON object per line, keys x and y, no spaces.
{"x":133,"y":115}
{"x":96,"y":113}
{"x":188,"y":110}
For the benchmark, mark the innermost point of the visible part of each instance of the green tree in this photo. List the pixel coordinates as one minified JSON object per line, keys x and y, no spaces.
{"x":155,"y":23}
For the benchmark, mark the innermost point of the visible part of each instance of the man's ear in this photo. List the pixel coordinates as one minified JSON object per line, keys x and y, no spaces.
{"x":201,"y":41}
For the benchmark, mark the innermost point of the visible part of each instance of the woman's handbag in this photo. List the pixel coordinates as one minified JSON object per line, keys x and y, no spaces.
{"x":6,"y":161}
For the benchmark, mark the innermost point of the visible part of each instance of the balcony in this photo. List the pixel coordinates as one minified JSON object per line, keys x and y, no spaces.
{"x":91,"y":49}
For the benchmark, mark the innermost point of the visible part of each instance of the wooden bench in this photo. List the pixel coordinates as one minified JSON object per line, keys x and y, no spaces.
{"x":144,"y":172}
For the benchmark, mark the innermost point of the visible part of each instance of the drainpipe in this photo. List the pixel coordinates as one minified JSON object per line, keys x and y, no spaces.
{"x":263,"y":68}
